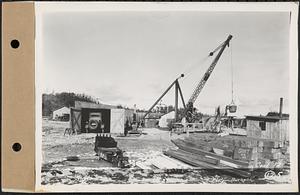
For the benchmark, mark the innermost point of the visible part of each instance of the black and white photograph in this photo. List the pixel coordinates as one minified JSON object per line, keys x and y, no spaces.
{"x":130,"y":94}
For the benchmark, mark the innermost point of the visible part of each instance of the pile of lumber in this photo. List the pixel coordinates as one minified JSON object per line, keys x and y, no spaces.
{"x":163,"y":163}
{"x":204,"y":159}
{"x":270,"y":154}
{"x":234,"y":154}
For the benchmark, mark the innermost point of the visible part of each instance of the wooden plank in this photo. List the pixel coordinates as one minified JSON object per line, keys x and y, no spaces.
{"x":269,"y":144}
{"x":198,"y":157}
{"x":182,"y":158}
{"x":179,"y":163}
{"x":191,"y":159}
{"x":202,"y":152}
{"x":273,"y":156}
{"x":242,"y":154}
{"x":163,"y":162}
{"x":200,"y":145}
{"x":142,"y":165}
{"x":198,"y":163}
{"x":248,"y":143}
{"x":271,"y":150}
{"x":229,"y":164}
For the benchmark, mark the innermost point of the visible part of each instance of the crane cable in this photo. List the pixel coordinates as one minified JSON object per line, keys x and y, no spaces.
{"x":217,"y":48}
{"x":231,"y":63}
{"x":188,"y":70}
{"x":191,"y":68}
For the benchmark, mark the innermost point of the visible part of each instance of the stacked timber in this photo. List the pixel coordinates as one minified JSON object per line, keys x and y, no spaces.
{"x":203,"y":158}
{"x":271,"y":154}
{"x":266,"y":154}
{"x":235,"y":154}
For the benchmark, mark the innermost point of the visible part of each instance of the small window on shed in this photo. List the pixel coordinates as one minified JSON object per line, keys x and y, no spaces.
{"x":262,"y":125}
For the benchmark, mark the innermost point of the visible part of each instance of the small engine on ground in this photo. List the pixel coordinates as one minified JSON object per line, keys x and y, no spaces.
{"x":106,"y":148}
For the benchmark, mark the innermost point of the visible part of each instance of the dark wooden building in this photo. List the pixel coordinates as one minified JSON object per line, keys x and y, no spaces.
{"x":272,"y":127}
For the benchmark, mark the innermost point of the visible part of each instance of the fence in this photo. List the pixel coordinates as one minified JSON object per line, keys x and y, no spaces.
{"x":188,"y":127}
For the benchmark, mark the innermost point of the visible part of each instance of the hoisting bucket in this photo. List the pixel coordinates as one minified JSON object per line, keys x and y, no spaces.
{"x":232,"y":108}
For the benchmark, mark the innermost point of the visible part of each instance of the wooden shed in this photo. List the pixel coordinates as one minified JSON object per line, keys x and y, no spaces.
{"x":268,"y":127}
{"x":85,"y":118}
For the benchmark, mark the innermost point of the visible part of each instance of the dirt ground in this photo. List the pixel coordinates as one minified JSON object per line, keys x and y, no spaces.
{"x":89,"y":170}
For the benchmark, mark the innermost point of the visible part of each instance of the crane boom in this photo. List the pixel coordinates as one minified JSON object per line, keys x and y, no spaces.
{"x":209,"y":71}
{"x":188,"y":109}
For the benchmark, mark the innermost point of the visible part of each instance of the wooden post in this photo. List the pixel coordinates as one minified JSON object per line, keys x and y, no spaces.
{"x":159,"y":99}
{"x":187,"y":132}
{"x":280,"y":107}
{"x":174,"y":83}
{"x":181,"y":95}
{"x":176,"y":101}
{"x":71,"y":118}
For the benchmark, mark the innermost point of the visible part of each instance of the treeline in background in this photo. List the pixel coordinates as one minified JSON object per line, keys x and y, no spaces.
{"x":54,"y":101}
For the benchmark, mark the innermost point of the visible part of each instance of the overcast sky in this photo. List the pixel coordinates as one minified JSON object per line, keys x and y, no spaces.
{"x":132,"y":57}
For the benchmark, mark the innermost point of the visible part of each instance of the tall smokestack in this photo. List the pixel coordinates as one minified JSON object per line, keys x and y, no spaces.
{"x":280,"y":107}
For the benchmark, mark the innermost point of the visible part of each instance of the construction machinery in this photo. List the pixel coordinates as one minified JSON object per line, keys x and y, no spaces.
{"x":189,"y":110}
{"x":190,"y":105}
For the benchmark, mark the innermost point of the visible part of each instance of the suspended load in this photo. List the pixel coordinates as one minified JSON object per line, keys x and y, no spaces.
{"x":232,"y":108}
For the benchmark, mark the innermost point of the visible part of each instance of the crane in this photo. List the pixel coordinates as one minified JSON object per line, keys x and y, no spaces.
{"x":188,"y":108}
{"x":190,"y":105}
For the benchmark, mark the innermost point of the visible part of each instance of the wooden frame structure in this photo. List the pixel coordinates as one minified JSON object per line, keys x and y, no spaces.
{"x":177,"y":89}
